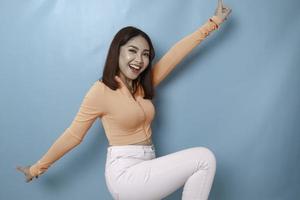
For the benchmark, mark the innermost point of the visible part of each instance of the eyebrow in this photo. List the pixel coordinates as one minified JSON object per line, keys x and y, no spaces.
{"x":137,"y":47}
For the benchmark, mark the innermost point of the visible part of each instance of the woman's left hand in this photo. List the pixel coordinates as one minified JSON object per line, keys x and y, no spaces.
{"x":222,"y":12}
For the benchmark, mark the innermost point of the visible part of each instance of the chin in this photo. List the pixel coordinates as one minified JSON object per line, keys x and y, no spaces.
{"x":135,"y":77}
{"x":132,"y":77}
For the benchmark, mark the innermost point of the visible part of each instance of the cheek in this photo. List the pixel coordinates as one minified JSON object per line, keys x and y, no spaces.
{"x":124,"y":59}
{"x":146,"y":62}
{"x":128,"y":56}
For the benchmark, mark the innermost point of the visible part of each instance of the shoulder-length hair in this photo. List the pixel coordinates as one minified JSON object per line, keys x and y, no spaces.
{"x":111,"y":67}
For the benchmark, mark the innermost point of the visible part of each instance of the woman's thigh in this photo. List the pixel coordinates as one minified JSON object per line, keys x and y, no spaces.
{"x":159,"y":177}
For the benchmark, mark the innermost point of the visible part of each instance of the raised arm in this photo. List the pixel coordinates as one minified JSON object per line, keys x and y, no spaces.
{"x":91,"y":107}
{"x":183,"y":47}
{"x":178,"y":51}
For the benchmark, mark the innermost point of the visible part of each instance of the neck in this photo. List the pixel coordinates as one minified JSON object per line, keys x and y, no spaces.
{"x":127,"y":81}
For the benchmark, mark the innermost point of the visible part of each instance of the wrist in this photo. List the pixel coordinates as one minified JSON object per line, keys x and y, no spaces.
{"x":217,"y":20}
{"x":31,"y":171}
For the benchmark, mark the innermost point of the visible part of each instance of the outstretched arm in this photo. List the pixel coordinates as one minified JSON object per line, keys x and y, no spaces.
{"x":91,"y":108}
{"x":178,"y":51}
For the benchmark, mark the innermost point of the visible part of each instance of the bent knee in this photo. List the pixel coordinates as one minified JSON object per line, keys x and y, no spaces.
{"x":206,"y":154}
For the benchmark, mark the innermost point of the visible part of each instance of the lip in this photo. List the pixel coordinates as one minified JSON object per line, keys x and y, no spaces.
{"x":134,"y":70}
{"x":135,"y":65}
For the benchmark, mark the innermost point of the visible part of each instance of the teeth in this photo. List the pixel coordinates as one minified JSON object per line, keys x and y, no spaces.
{"x":135,"y":67}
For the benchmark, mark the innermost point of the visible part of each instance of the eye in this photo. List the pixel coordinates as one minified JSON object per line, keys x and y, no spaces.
{"x":146,"y":54}
{"x":132,"y":50}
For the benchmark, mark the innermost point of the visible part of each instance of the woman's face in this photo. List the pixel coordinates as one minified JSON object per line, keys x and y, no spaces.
{"x":134,"y":57}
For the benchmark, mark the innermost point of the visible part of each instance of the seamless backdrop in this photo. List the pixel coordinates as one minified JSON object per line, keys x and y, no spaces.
{"x":237,"y":93}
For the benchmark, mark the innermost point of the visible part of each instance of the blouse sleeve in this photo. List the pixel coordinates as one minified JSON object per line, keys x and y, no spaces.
{"x":178,"y":51}
{"x":91,"y":107}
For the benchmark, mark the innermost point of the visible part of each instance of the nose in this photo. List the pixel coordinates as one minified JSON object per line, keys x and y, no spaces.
{"x":139,"y":59}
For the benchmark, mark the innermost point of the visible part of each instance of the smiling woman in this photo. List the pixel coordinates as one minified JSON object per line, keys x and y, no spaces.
{"x":122,"y":99}
{"x":139,"y":66}
{"x":134,"y":58}
{"x":135,"y":53}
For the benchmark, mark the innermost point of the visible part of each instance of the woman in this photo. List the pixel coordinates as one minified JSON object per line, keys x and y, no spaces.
{"x":122,"y":99}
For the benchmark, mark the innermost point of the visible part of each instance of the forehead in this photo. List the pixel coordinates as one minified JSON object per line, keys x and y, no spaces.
{"x":138,"y":41}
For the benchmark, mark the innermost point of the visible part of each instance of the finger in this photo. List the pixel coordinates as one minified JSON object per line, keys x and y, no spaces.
{"x":224,"y":7}
{"x":228,"y":11}
{"x":220,"y":4}
{"x":28,"y":180}
{"x":227,"y":8}
{"x":19,"y":168}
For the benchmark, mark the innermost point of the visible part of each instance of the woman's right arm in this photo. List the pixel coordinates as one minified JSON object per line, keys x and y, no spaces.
{"x":91,"y":107}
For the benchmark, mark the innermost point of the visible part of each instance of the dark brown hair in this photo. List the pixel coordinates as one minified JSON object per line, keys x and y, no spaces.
{"x":111,"y":67}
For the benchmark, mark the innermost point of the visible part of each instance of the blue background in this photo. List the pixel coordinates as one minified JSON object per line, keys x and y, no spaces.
{"x":237,"y":93}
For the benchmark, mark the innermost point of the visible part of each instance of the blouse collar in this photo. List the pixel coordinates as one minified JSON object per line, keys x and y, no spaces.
{"x":125,"y":90}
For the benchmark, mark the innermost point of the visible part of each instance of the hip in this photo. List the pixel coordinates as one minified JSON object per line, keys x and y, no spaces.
{"x":120,"y":158}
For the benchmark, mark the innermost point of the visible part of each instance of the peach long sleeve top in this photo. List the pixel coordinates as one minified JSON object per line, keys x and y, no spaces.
{"x":126,"y":120}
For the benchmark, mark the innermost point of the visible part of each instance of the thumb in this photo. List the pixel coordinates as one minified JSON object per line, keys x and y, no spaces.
{"x":118,"y":79}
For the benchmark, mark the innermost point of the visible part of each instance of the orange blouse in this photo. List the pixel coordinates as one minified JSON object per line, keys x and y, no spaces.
{"x":126,"y":120}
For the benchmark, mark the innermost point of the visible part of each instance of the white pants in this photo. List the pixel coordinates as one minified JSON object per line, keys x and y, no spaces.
{"x":133,"y":172}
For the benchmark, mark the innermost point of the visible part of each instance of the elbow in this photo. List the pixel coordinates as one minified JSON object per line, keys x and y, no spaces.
{"x":76,"y":138}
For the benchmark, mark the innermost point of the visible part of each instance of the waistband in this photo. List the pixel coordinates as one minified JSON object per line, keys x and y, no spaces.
{"x":132,"y":147}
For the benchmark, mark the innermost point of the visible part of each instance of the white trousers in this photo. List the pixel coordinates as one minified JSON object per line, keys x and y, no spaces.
{"x":133,"y":172}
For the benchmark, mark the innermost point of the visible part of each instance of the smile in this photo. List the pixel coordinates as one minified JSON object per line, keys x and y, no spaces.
{"x":135,"y":68}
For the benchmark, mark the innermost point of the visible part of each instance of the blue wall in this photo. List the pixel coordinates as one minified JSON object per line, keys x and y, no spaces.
{"x":237,"y":93}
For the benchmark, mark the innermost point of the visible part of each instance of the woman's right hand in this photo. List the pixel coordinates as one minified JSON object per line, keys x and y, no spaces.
{"x":26,"y":172}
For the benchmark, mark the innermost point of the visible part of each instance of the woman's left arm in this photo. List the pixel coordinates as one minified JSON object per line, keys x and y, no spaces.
{"x":178,"y":51}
